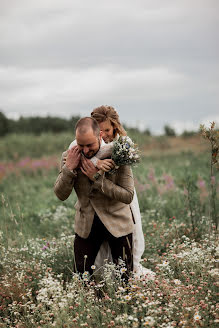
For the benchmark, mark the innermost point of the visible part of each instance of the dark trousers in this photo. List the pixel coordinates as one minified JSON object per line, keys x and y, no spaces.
{"x":86,"y":249}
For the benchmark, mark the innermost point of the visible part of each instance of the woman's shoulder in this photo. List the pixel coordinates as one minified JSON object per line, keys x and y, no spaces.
{"x":72,"y":144}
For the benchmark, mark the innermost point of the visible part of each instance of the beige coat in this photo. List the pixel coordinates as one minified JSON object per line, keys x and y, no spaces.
{"x":109,"y":196}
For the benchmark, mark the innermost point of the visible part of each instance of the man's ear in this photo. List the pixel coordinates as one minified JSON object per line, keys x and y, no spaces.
{"x":101,"y":135}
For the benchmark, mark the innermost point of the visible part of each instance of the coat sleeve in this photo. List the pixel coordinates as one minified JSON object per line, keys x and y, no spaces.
{"x":122,"y":189}
{"x":65,"y":181}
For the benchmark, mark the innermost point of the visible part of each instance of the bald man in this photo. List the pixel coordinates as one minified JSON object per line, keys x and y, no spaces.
{"x":102,"y":210}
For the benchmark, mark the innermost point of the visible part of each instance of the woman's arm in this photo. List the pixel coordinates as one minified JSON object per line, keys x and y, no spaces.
{"x":105,"y":151}
{"x":99,"y":160}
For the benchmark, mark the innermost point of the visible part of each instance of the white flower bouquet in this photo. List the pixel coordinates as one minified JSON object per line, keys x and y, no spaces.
{"x":124,"y":152}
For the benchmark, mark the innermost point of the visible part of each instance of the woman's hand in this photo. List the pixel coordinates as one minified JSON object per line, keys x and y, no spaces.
{"x":105,"y":164}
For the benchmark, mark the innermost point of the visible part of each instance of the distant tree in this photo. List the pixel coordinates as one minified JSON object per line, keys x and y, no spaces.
{"x":170,"y":132}
{"x":73,"y":121}
{"x":38,"y":124}
{"x":187,"y":134}
{"x":4,"y":124}
{"x":147,"y":132}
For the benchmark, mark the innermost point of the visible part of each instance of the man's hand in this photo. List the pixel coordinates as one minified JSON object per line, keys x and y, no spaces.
{"x":105,"y":164}
{"x":73,"y":158}
{"x":88,"y":168}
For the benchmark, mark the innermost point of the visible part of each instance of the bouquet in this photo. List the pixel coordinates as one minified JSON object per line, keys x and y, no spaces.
{"x":125,"y":152}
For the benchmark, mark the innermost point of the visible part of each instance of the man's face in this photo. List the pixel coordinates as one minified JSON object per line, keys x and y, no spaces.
{"x":88,"y":143}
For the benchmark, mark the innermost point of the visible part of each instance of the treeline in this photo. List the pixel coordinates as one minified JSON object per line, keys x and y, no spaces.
{"x":36,"y":125}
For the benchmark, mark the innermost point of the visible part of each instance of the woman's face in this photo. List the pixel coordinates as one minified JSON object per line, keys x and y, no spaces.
{"x":107,"y":131}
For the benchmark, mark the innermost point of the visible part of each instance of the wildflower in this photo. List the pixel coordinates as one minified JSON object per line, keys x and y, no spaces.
{"x":134,"y":286}
{"x":148,"y":321}
{"x":85,"y":279}
{"x":182,"y":322}
{"x":213,"y":180}
{"x":123,"y":270}
{"x":201,"y":183}
{"x":124,"y":152}
{"x":197,"y":316}
{"x":127,"y":297}
{"x":93,"y":267}
{"x":85,"y":275}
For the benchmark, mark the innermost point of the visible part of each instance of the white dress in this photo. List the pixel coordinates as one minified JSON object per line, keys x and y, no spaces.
{"x":138,"y":236}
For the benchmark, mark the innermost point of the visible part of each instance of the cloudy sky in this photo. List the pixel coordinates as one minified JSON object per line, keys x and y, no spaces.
{"x":155,"y":61}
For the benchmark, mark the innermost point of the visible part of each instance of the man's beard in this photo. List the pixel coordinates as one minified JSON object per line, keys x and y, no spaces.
{"x":93,"y":153}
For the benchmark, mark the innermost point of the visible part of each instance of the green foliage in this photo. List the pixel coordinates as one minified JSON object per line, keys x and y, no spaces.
{"x":170,"y":132}
{"x":160,"y":182}
{"x":38,"y":287}
{"x":16,"y":146}
{"x":37,"y":125}
{"x":4,"y":124}
{"x":147,"y":132}
{"x":212,"y":134}
{"x":188,"y":134}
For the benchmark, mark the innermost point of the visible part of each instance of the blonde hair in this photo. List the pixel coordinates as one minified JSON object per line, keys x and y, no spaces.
{"x":108,"y":113}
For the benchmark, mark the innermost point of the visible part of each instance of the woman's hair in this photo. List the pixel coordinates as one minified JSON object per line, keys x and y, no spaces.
{"x":108,"y":113}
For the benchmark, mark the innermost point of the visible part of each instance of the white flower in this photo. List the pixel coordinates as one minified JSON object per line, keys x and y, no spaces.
{"x":197,"y":316}
{"x":86,"y":273}
{"x":123,"y":270}
{"x":148,"y":321}
{"x":127,"y":297}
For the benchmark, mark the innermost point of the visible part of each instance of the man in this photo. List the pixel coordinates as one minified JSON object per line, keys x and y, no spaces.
{"x":102,"y":210}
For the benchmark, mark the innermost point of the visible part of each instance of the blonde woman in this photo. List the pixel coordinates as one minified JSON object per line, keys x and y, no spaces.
{"x":109,"y":122}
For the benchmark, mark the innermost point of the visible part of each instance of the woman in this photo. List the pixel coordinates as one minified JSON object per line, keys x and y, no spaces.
{"x":111,"y":128}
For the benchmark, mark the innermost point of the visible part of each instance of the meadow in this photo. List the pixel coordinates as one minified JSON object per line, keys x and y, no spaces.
{"x":178,"y":198}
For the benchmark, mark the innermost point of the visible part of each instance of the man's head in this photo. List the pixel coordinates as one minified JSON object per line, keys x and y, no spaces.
{"x":88,"y":136}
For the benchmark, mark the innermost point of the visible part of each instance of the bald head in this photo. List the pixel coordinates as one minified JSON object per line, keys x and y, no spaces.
{"x":85,"y":124}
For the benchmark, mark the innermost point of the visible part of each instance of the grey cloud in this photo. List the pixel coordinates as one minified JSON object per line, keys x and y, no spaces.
{"x":156,"y":59}
{"x":98,"y":35}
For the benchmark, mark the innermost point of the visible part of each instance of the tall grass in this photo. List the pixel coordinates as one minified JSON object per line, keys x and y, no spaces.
{"x":38,"y":287}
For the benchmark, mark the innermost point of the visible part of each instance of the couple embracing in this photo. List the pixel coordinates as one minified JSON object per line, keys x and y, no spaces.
{"x":107,"y":220}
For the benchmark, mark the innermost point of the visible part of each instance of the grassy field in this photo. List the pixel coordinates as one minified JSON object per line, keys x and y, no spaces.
{"x":37,"y":285}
